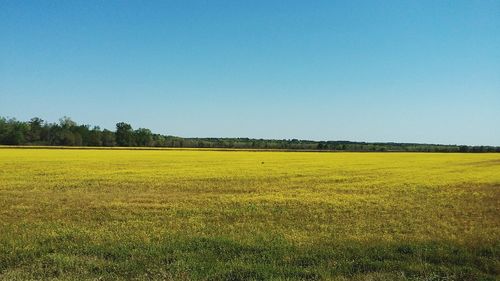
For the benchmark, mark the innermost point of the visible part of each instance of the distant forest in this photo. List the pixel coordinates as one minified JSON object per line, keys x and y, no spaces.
{"x":68,"y":133}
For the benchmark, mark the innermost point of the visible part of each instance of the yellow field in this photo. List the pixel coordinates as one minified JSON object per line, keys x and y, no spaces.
{"x":173,"y":214}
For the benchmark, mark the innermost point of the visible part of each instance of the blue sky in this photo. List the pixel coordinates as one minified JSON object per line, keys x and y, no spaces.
{"x":402,"y":71}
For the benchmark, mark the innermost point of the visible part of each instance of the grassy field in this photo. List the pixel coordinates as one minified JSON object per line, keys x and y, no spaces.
{"x":215,"y":215}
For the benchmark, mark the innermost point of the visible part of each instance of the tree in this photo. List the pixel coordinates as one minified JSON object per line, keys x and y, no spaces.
{"x":82,"y":134}
{"x":108,"y":138}
{"x":95,"y":137}
{"x":63,"y":137}
{"x":35,"y":129}
{"x":13,"y":132}
{"x":143,"y":137}
{"x":63,"y":133}
{"x":66,"y":122}
{"x":124,"y":134}
{"x":67,"y":132}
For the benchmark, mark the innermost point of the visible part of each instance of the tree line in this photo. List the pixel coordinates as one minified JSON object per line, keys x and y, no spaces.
{"x":66,"y":132}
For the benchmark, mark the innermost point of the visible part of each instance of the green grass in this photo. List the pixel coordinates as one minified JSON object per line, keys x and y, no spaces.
{"x":217,"y":215}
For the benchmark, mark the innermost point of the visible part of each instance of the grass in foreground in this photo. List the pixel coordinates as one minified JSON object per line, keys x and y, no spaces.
{"x":214,"y":215}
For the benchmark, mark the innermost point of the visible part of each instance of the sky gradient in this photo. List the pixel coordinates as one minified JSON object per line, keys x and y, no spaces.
{"x":400,"y":71}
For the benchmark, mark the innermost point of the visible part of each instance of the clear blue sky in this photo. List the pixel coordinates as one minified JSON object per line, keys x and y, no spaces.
{"x":403,"y":71}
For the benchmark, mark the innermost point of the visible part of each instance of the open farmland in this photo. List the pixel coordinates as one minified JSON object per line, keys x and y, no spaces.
{"x":218,"y":215}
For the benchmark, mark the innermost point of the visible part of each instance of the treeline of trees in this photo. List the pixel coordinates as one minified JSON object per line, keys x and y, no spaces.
{"x":68,"y":133}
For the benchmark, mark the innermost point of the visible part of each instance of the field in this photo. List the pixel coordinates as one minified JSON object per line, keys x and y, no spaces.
{"x":243,"y":215}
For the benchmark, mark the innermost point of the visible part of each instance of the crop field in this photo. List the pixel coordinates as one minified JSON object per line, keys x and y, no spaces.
{"x":248,"y":215}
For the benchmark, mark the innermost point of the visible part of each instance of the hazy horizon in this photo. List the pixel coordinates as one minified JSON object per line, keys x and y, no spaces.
{"x":388,"y":71}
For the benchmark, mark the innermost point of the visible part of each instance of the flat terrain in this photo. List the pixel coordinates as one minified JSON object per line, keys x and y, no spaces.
{"x":217,"y":215}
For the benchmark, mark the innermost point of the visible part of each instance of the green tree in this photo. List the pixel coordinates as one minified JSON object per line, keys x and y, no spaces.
{"x":35,"y":129}
{"x":108,"y":138}
{"x":124,"y":134}
{"x":66,"y":123}
{"x":95,"y":137}
{"x":143,"y":137}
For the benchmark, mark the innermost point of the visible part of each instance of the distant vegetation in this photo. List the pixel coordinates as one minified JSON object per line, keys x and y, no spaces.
{"x":69,"y":133}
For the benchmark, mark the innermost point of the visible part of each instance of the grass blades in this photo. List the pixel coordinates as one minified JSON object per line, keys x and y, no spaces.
{"x":240,"y":215}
